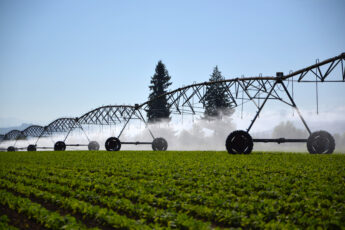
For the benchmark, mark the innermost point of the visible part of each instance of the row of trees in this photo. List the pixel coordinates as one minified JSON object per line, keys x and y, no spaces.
{"x":217,"y":101}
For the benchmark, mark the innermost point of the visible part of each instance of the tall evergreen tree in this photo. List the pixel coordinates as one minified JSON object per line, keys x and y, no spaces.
{"x":158,"y":107}
{"x":217,"y":101}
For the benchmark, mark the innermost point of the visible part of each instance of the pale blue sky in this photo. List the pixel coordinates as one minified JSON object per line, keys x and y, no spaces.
{"x":63,"y":58}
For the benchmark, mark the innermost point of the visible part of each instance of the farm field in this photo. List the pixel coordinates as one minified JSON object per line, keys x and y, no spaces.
{"x":174,"y":189}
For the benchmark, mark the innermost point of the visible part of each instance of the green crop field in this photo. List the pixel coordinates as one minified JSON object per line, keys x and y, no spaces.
{"x":182,"y":190}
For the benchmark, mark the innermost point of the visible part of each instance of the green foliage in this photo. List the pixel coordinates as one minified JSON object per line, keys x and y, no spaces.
{"x":4,"y":223}
{"x":48,"y":219}
{"x":182,"y":190}
{"x":217,"y":100}
{"x":157,"y":107}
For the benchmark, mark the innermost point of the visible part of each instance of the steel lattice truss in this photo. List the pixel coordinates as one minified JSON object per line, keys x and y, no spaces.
{"x":33,"y":131}
{"x":191,"y":99}
{"x":109,"y":115}
{"x":321,"y":71}
{"x":14,"y":135}
{"x":61,"y":125}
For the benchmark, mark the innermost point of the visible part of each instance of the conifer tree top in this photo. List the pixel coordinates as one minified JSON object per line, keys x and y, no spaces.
{"x":158,"y":108}
{"x":216,"y":75}
{"x":217,"y":101}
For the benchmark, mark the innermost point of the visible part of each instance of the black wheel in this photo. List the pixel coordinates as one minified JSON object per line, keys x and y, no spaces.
{"x":11,"y":149}
{"x":159,"y":144}
{"x":113,"y":144}
{"x":31,"y":148}
{"x":93,"y":145}
{"x":60,"y":146}
{"x":239,"y":142}
{"x":320,"y":142}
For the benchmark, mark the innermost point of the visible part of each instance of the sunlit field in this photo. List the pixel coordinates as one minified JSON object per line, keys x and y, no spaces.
{"x":174,"y":189}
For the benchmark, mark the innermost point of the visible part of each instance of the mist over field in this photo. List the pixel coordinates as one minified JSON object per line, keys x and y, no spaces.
{"x":198,"y":133}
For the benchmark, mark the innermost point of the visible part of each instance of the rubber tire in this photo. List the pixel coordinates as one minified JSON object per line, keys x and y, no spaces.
{"x":32,"y":148}
{"x":320,"y":142}
{"x":113,"y":144}
{"x":159,"y":144}
{"x":93,"y":146}
{"x":239,"y":142}
{"x":11,"y":149}
{"x":60,"y":146}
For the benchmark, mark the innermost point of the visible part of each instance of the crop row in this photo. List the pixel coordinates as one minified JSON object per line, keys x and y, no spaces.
{"x":103,"y":216}
{"x":163,"y":191}
{"x":205,"y":182}
{"x":241,"y":208}
{"x":229,"y":185}
{"x":207,"y":179}
{"x":185,"y":177}
{"x":35,"y":211}
{"x":183,"y":190}
{"x":121,"y":205}
{"x":4,"y":223}
{"x":236,"y":190}
{"x":168,"y":216}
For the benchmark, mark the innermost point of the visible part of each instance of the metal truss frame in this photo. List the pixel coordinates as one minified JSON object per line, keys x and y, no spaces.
{"x":14,"y":135}
{"x":60,"y":125}
{"x":191,"y":100}
{"x":114,"y":115}
{"x":33,"y":131}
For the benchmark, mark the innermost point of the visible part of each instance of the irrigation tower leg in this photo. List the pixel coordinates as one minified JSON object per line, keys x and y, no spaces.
{"x":84,"y":133}
{"x":41,"y":134}
{"x":69,"y":131}
{"x":260,"y":108}
{"x":146,"y":125}
{"x":295,"y":107}
{"x":80,"y":127}
{"x":123,"y":128}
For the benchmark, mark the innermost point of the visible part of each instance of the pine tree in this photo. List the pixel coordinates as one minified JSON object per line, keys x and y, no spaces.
{"x":217,"y":101}
{"x":158,"y":107}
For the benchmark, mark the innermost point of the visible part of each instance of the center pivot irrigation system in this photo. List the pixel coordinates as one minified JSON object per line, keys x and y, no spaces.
{"x":191,"y":100}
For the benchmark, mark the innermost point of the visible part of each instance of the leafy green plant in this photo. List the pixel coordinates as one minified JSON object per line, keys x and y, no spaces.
{"x":182,"y":190}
